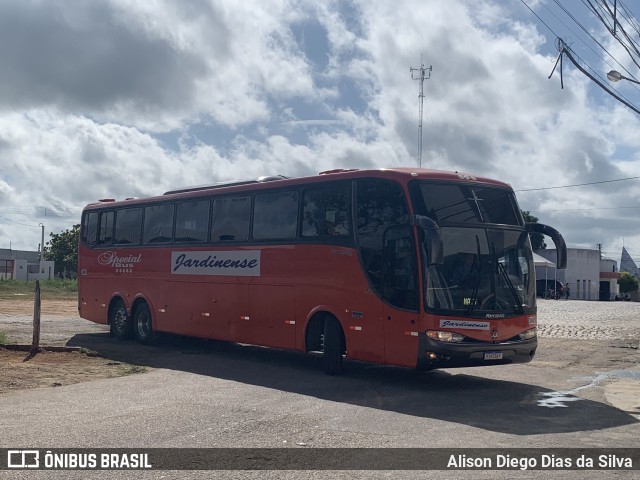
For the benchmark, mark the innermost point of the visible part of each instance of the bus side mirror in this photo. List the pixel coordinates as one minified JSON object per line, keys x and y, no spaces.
{"x":561,"y":246}
{"x":432,"y":236}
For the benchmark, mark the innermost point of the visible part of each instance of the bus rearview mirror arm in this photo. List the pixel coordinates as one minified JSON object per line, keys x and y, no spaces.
{"x":432,"y":235}
{"x":561,"y":246}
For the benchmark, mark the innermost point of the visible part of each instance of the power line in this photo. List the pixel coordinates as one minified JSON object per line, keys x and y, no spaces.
{"x":586,"y":209}
{"x":632,"y":46}
{"x":543,"y":22}
{"x":576,"y":184}
{"x":13,"y":221}
{"x":566,"y":50}
{"x":630,"y":17}
{"x":39,"y":212}
{"x":590,"y":35}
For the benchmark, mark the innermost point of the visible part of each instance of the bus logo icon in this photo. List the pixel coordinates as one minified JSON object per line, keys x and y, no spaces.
{"x":23,"y":459}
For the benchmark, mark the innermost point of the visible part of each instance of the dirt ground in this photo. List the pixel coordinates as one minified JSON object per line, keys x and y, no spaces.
{"x":47,"y":368}
{"x":24,"y":306}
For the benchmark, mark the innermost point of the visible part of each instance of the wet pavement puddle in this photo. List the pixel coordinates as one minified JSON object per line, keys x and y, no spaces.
{"x":561,"y":399}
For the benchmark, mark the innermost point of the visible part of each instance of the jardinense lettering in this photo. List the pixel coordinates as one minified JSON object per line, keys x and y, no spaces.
{"x":240,"y":263}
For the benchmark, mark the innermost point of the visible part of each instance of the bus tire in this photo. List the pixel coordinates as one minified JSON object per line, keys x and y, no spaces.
{"x":332,"y":347}
{"x":143,"y":326}
{"x":120,"y":325}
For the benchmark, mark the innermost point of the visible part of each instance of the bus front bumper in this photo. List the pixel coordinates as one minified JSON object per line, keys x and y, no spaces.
{"x":435,"y":354}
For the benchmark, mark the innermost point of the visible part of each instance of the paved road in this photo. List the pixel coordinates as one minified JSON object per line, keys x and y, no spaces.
{"x":589,"y":320}
{"x":211,"y":394}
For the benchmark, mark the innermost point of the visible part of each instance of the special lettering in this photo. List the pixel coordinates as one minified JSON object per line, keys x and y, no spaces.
{"x":112,"y":258}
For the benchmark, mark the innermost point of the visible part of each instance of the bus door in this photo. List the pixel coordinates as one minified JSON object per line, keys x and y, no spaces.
{"x":400,"y":293}
{"x":271,"y":316}
{"x":225,"y":301}
{"x":200,"y":309}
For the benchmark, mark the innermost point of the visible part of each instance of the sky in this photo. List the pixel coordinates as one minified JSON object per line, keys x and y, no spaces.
{"x":122,"y":98}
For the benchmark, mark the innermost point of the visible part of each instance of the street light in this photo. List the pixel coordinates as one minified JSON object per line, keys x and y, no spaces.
{"x":615,"y":76}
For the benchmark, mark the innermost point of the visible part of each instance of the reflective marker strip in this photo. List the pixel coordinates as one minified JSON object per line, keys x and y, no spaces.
{"x":355,"y":328}
{"x":205,"y":314}
{"x":162,"y":310}
{"x":244,"y":318}
{"x":290,"y":322}
{"x":413,"y":334}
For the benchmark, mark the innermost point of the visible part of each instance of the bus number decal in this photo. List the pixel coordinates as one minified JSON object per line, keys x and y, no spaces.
{"x":244,"y":263}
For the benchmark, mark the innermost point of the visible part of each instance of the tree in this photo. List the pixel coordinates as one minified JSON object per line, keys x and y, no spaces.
{"x":628,"y":283}
{"x":537,"y":239}
{"x":63,"y":250}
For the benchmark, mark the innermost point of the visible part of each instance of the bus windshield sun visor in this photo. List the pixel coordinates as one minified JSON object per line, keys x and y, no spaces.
{"x":561,"y":246}
{"x":432,"y":235}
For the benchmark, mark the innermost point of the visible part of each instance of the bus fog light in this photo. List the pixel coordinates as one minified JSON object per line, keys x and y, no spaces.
{"x":432,"y":356}
{"x":448,"y":337}
{"x":528,"y":335}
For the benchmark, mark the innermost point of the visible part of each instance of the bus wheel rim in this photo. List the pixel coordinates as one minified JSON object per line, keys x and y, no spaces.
{"x":143,"y":324}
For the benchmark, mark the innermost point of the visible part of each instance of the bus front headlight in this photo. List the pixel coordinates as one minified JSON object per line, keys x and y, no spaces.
{"x":448,"y":337}
{"x":528,"y":335}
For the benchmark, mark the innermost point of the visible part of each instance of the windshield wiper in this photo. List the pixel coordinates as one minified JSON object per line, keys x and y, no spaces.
{"x":474,"y":295}
{"x":505,"y":275}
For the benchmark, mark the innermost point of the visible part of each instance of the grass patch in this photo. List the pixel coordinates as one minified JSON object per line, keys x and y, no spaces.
{"x":133,"y":369}
{"x":56,"y":289}
{"x":3,"y":338}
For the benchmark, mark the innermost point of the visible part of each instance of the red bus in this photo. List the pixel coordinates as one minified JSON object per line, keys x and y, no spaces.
{"x":410,"y":267}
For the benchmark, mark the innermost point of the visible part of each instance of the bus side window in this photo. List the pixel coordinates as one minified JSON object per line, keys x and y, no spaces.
{"x":380,"y":205}
{"x":400,"y":271}
{"x":325,"y":211}
{"x":90,"y":228}
{"x":192,"y":221}
{"x":105,"y":234}
{"x":128,"y":226}
{"x":231,"y":218}
{"x":158,"y":223}
{"x":275,"y":216}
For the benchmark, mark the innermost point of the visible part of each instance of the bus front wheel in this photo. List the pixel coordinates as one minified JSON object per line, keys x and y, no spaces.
{"x":120,"y":325}
{"x":143,"y":326}
{"x":332,"y":347}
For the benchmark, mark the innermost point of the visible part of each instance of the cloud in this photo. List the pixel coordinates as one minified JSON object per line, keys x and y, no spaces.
{"x":85,"y":57}
{"x":127,"y":98}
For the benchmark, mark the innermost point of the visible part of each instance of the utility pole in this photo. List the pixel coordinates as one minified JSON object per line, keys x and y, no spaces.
{"x":40,"y":268}
{"x":422,"y":73}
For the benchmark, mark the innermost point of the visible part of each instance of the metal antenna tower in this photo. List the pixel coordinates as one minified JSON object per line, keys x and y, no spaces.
{"x":422,"y":73}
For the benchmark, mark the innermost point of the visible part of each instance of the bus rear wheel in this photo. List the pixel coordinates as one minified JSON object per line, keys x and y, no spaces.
{"x":120,"y":325}
{"x":332,"y":347}
{"x":143,"y":325}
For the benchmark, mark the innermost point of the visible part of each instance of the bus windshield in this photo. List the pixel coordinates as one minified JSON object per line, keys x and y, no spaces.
{"x":483,"y":271}
{"x":487,"y":260}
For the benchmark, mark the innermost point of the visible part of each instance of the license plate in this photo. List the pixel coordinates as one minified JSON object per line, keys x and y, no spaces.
{"x":493,"y":355}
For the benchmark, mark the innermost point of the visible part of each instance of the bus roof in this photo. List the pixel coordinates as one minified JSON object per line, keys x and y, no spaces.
{"x":399,"y":173}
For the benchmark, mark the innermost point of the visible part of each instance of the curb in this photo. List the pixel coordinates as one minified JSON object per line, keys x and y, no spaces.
{"x":45,"y":348}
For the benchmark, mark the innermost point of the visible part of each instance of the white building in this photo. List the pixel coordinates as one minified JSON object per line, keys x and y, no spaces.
{"x":24,"y":265}
{"x":582,"y":272}
{"x":609,"y":275}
